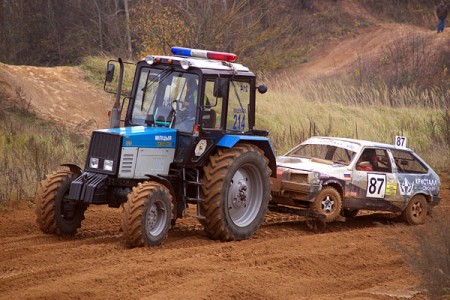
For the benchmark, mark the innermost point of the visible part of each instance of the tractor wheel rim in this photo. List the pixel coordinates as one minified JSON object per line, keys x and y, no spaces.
{"x":156,"y":218}
{"x":244,"y":195}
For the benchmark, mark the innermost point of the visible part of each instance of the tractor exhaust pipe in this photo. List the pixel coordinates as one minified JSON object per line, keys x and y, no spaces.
{"x":114,"y":121}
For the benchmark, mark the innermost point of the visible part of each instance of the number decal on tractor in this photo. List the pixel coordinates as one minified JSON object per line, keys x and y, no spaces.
{"x":376,"y":185}
{"x":239,"y":122}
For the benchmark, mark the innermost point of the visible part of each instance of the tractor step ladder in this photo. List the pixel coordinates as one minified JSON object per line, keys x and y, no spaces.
{"x":197,"y":200}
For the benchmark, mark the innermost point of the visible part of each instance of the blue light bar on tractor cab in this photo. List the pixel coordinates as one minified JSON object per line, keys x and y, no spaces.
{"x":188,"y":52}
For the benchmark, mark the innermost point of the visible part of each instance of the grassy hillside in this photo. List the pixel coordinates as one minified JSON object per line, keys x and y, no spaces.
{"x":30,"y":148}
{"x":293,"y":116}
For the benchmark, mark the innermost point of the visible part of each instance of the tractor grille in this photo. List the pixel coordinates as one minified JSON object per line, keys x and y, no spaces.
{"x":104,"y":146}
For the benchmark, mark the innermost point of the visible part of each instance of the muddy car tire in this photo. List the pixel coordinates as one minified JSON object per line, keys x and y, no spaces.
{"x":236,"y":185}
{"x":147,"y":215}
{"x":416,"y":210}
{"x":55,"y":213}
{"x":329,"y":203}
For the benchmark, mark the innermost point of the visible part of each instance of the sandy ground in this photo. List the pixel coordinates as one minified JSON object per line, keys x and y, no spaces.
{"x":284,"y":260}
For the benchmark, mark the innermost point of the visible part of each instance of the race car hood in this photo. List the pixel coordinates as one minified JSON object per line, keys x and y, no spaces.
{"x":309,"y":165}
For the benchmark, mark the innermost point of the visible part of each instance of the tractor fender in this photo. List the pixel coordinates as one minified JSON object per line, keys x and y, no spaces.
{"x":263,"y":143}
{"x":167,"y":184}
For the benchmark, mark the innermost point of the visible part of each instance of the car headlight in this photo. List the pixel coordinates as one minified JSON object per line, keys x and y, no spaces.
{"x":108,"y":165}
{"x":93,"y":163}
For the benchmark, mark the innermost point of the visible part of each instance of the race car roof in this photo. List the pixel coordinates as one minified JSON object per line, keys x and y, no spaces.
{"x":351,"y":144}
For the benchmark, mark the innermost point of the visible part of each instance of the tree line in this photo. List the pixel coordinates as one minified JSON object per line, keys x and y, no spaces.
{"x":61,"y":32}
{"x":55,"y":32}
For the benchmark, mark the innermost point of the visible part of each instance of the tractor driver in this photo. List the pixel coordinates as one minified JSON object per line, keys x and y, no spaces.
{"x":188,"y":107}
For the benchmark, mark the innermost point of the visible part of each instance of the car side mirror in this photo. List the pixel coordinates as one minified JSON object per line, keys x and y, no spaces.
{"x":110,"y":72}
{"x":220,"y":87}
{"x":262,"y":88}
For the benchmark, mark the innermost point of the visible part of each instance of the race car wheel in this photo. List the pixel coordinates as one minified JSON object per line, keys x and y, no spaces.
{"x":236,"y":187}
{"x":349,"y":213}
{"x":329,"y":203}
{"x":147,"y":215}
{"x":416,"y":210}
{"x":55,"y":213}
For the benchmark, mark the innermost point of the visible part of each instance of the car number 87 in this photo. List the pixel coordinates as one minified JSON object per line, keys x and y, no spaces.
{"x":376,"y":185}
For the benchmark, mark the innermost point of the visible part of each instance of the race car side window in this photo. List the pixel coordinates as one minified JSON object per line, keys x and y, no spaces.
{"x":407,"y":163}
{"x":384,"y":163}
{"x":374,"y":160}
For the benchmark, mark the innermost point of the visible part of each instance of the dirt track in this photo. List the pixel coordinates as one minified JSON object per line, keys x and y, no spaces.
{"x":285,"y":260}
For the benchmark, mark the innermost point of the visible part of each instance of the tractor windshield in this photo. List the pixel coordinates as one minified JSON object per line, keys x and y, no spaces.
{"x":157,"y":90}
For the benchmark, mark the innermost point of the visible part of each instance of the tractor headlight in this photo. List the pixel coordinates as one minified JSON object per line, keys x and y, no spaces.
{"x":149,"y":59}
{"x":93,"y":163}
{"x":108,"y":165}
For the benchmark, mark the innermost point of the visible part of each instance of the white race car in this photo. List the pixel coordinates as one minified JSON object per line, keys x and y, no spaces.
{"x":337,"y":176}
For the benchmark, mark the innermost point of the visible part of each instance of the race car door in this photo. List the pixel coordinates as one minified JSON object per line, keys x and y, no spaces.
{"x":373,"y":182}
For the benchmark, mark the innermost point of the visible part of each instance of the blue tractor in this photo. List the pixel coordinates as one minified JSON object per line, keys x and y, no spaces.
{"x":187,"y":137}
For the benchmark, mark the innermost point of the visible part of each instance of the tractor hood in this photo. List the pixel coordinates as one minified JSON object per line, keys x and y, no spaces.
{"x":145,"y":137}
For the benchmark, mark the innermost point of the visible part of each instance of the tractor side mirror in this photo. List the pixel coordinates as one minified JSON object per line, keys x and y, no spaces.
{"x":262,"y":88}
{"x":220,"y":87}
{"x":110,"y":72}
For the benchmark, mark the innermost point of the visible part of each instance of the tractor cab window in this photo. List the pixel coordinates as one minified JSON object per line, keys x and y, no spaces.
{"x":211,"y":108}
{"x":238,"y":105}
{"x":157,"y":90}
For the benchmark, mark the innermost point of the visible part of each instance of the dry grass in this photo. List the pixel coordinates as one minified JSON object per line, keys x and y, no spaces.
{"x":293,"y":112}
{"x":30,"y":148}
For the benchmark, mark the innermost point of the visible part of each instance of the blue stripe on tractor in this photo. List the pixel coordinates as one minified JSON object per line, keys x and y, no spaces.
{"x":229,"y":141}
{"x":146,"y":137}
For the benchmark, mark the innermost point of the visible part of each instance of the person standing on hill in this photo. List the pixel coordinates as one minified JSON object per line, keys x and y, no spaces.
{"x":441,"y":12}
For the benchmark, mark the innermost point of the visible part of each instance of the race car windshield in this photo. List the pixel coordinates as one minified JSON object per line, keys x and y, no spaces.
{"x":325,"y":152}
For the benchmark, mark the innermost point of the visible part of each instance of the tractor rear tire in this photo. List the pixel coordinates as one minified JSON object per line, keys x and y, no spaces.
{"x":236,"y":186}
{"x":147,"y":215}
{"x":329,"y":203}
{"x":55,"y":214}
{"x":416,"y":210}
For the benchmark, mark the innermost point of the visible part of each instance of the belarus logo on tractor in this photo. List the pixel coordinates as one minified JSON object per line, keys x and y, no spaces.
{"x":187,"y":137}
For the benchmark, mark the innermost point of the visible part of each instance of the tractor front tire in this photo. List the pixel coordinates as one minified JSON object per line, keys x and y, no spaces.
{"x":147,"y":215}
{"x":236,"y":186}
{"x":329,"y":203}
{"x":55,"y":213}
